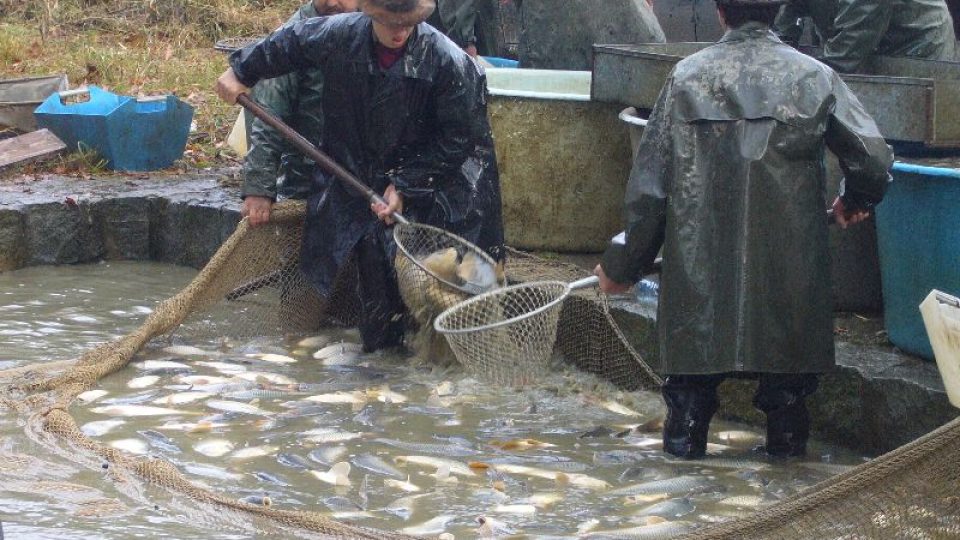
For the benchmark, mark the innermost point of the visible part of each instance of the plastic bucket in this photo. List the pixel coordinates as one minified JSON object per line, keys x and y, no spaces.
{"x":919,"y":248}
{"x":941,"y":316}
{"x":635,"y":125}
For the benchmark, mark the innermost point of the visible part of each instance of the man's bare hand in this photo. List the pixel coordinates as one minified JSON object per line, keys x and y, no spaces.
{"x":845,"y":217}
{"x":257,"y":209}
{"x":394,"y":202}
{"x":471,"y":49}
{"x":607,"y":285}
{"x":228,"y":87}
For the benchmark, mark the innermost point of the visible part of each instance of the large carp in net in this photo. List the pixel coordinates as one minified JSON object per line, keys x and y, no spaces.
{"x":254,"y":285}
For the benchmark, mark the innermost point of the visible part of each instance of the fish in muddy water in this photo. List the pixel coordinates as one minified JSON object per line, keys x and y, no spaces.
{"x":159,"y":441}
{"x":521,"y":444}
{"x":210,"y":471}
{"x":314,"y":342}
{"x":340,"y":504}
{"x":223,"y":367}
{"x":402,"y":485}
{"x":385,"y":395}
{"x":181,"y":398}
{"x":329,"y":436}
{"x":618,"y":408}
{"x":91,"y":395}
{"x":351,"y":398}
{"x":746,"y":501}
{"x":165,"y":366}
{"x":338,"y":475}
{"x":200,"y":380}
{"x":739,"y":437}
{"x":328,"y":455}
{"x":444,"y":264}
{"x":376,"y":465}
{"x":257,"y":500}
{"x":261,"y":377}
{"x":680,"y":484}
{"x":187,"y":350}
{"x":253,"y":452}
{"x":131,"y":399}
{"x":256,"y":393}
{"x":520,"y":509}
{"x":575,"y":479}
{"x":236,"y":407}
{"x":493,"y":528}
{"x":293,"y":461}
{"x":670,"y":509}
{"x":214,"y":447}
{"x":442,"y":475}
{"x":100,"y":427}
{"x":139,"y":410}
{"x":272,"y":358}
{"x":449,"y":450}
{"x":203,"y":426}
{"x":544,"y":500}
{"x":337,"y":350}
{"x":739,"y":464}
{"x":654,"y":531}
{"x":132,"y":446}
{"x":142,"y":382}
{"x":433,"y":526}
{"x":404,"y":506}
{"x":455,"y":467}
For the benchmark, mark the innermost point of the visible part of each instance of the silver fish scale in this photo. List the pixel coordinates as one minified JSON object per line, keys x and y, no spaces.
{"x":448,"y":450}
{"x":680,"y":484}
{"x":377,"y":465}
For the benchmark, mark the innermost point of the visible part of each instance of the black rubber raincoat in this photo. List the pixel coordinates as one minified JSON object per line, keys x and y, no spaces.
{"x":420,"y":125}
{"x":853,"y":30}
{"x":729,"y":179}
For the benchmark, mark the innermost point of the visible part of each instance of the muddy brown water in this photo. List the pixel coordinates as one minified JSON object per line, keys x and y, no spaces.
{"x":553,"y":460}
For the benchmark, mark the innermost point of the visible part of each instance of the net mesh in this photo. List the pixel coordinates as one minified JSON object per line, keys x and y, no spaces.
{"x":507,"y":335}
{"x":254,"y":280}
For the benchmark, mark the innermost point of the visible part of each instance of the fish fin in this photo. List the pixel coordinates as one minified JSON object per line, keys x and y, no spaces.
{"x":562,"y":479}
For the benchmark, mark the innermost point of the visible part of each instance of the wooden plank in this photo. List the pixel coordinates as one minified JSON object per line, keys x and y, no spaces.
{"x":31,"y":145}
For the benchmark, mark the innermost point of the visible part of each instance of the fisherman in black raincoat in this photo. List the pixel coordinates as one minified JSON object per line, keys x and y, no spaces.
{"x":404,"y":111}
{"x":729,"y":180}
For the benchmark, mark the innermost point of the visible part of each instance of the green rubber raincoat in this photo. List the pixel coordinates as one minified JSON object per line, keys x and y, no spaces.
{"x":729,"y":180}
{"x":296,"y":99}
{"x":853,"y":30}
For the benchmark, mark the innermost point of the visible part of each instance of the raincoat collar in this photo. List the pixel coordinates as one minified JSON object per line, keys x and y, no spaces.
{"x":750,"y":30}
{"x":413,"y":60}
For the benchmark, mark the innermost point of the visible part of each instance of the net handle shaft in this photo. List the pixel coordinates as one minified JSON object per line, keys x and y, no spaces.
{"x":310,"y":150}
{"x":585,"y":283}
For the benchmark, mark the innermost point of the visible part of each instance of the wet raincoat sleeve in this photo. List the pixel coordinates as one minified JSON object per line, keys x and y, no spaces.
{"x":459,"y":18}
{"x":645,"y":209}
{"x":304,"y":45}
{"x":864,"y":156}
{"x":261,"y":166}
{"x":427,"y":166}
{"x":789,"y":24}
{"x":858,"y":29}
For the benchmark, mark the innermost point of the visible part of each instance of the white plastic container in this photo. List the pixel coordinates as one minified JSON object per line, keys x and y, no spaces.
{"x":941,"y":317}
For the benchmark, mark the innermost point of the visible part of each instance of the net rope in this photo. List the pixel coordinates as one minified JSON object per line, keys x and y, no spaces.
{"x":254,"y":283}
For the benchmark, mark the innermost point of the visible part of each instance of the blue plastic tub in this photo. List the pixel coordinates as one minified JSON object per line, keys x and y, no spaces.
{"x":918,"y":234}
{"x":131,"y":134}
{"x":498,"y":62}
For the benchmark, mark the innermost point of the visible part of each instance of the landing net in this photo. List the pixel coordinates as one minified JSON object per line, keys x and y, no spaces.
{"x":253,"y":282}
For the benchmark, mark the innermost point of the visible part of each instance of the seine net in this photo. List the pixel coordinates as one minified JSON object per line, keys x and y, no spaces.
{"x":254,"y":281}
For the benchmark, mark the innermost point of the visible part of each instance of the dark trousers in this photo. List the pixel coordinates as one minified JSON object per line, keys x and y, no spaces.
{"x":692,"y":400}
{"x":382,"y":311}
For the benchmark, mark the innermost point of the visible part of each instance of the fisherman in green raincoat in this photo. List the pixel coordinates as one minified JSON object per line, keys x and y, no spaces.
{"x":471,"y":24}
{"x":729,"y":179}
{"x":850,"y":31}
{"x":296,"y":99}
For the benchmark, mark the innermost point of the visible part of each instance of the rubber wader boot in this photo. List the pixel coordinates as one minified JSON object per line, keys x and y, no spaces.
{"x":688,"y":419}
{"x":788,"y":429}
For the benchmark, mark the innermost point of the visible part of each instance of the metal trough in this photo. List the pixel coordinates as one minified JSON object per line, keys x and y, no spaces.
{"x":912,"y":100}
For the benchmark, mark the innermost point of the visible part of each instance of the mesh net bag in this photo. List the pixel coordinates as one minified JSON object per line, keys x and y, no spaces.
{"x":909,"y":493}
{"x":506,"y":336}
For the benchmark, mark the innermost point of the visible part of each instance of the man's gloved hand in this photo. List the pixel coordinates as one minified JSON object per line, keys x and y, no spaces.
{"x":609,"y":286}
{"x":846,"y":217}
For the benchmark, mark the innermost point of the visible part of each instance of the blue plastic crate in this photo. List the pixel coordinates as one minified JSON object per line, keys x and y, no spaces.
{"x":131,"y":134}
{"x":918,"y":235}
